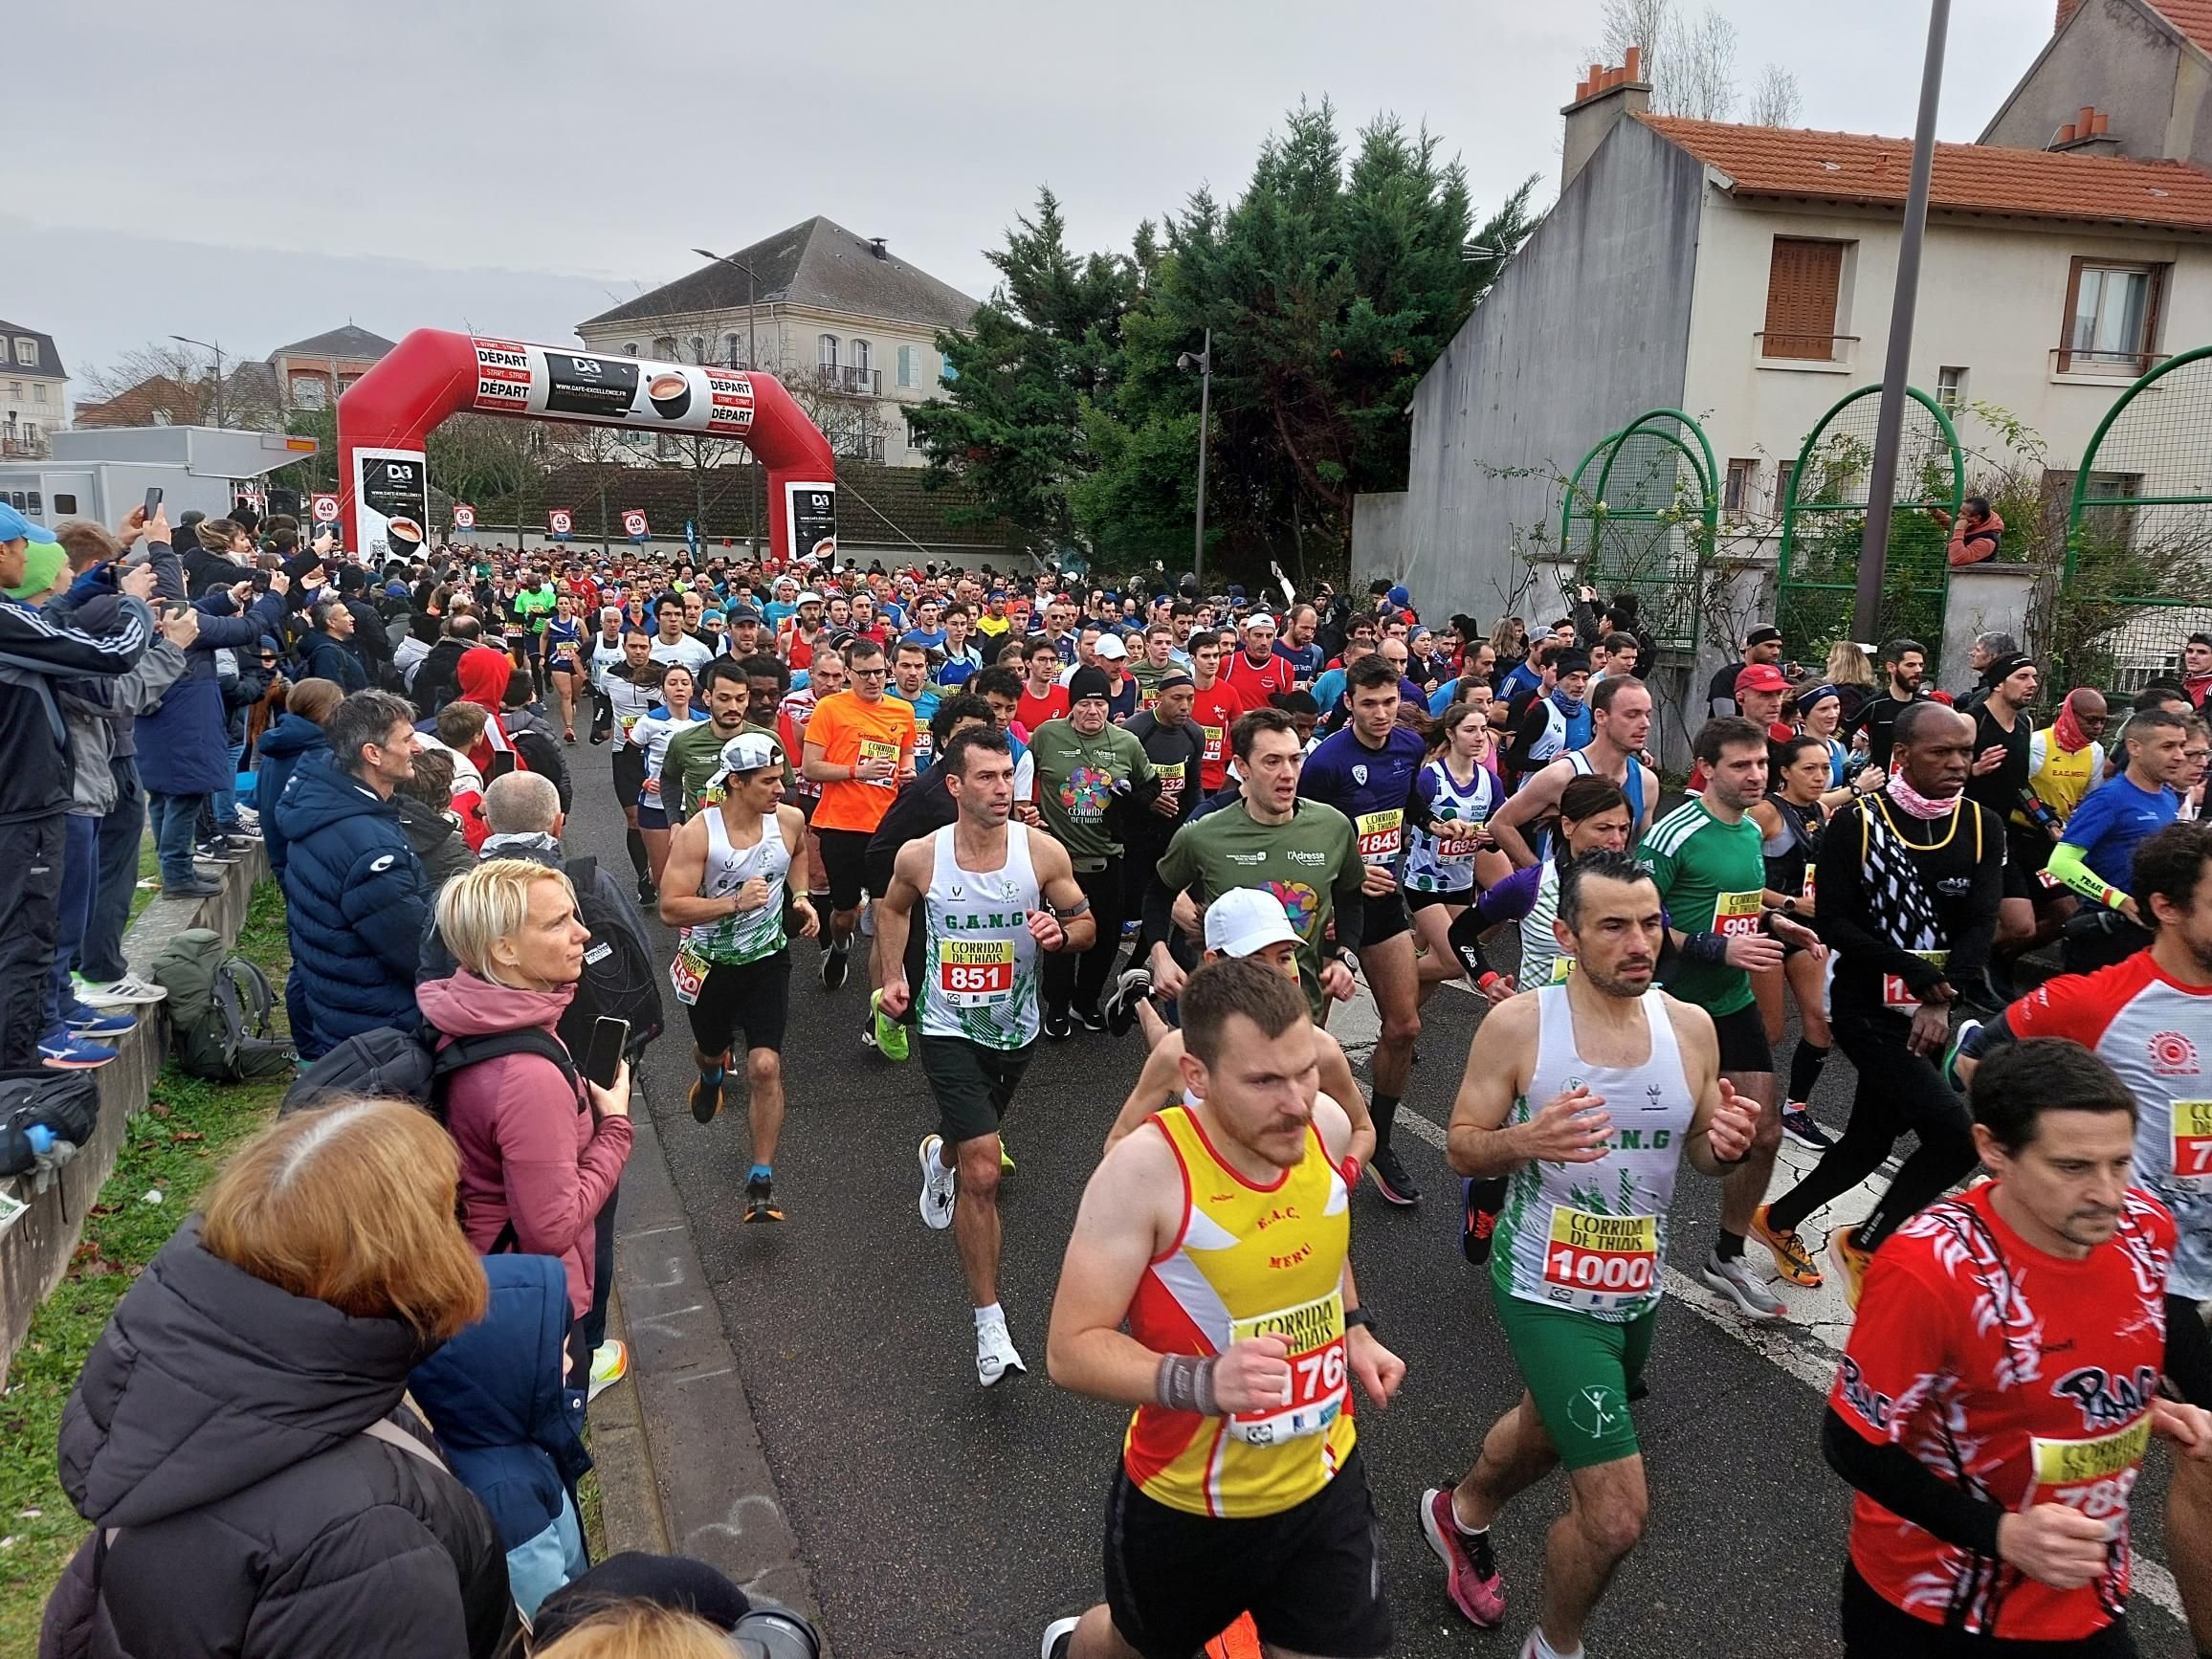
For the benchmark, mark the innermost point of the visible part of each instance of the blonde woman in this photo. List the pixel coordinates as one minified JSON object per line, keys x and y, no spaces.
{"x":541,"y":1148}
{"x":239,"y":1439}
{"x":1851,"y":672}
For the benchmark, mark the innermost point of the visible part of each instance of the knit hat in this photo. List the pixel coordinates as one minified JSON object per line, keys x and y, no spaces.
{"x":42,"y":564}
{"x":1088,"y":682}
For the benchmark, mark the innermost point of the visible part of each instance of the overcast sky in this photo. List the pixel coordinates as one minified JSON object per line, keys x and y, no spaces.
{"x":518,"y":165}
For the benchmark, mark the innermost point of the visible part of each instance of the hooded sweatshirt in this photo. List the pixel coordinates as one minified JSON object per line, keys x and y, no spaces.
{"x":283,"y":746}
{"x":484,"y":675}
{"x":217,"y":1422}
{"x":531,"y":1156}
{"x":1975,"y":545}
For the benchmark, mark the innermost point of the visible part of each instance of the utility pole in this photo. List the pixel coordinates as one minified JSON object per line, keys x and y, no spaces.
{"x":1204,"y":362}
{"x":213,"y":346}
{"x":1889,"y":423}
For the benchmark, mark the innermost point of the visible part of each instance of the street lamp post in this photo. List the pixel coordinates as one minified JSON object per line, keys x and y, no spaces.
{"x":208,"y":345}
{"x":1203,"y":362}
{"x":1890,"y":421}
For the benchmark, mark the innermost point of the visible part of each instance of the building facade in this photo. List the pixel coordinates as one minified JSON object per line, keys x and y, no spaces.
{"x":34,"y":392}
{"x":844,"y":323}
{"x":314,"y":372}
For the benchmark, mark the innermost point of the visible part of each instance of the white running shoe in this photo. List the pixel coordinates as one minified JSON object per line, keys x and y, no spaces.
{"x":126,"y":992}
{"x":1059,"y":1638}
{"x":995,"y":1353}
{"x":940,"y":1186}
{"x":1734,"y":1279}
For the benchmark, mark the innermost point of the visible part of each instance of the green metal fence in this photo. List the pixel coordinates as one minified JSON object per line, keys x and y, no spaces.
{"x":1825,"y":516}
{"x":1640,"y":515}
{"x":2138,"y":555}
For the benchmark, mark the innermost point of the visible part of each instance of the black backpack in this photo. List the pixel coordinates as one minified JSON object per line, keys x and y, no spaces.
{"x":391,"y":1063}
{"x":621,"y":979}
{"x":65,"y":1104}
{"x":220,"y":1011}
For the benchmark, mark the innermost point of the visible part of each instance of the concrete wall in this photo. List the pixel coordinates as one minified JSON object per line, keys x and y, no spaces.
{"x":1982,"y":599}
{"x":1586,"y":328}
{"x":2114,"y":57}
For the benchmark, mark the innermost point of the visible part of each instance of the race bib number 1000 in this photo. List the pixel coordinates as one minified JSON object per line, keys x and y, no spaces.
{"x":973,"y":973}
{"x":2193,"y":1141}
{"x":1604,"y":1261}
{"x":1313,"y":1332}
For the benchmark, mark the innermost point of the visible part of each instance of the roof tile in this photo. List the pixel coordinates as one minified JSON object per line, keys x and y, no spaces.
{"x":1841,"y":166}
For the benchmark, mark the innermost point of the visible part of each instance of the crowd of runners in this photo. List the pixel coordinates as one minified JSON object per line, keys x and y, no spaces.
{"x":986,"y":812}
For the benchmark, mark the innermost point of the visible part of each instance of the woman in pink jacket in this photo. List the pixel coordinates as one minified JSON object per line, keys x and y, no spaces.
{"x":540,"y":1150}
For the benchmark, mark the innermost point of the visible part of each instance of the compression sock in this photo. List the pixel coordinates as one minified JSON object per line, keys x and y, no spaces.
{"x":1804,"y":1070}
{"x":638,"y":861}
{"x":1729,"y":1247}
{"x":760,"y":1172}
{"x":1465,"y":937}
{"x":1384,"y":1108}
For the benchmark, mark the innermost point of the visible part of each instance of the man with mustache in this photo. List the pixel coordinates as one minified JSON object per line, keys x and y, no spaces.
{"x":1588,"y":1096}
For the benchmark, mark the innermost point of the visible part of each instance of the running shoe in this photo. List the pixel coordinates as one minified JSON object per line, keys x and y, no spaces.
{"x":1852,"y":1261}
{"x":1059,"y":1639}
{"x":1471,"y":1574}
{"x":1091,"y":1018}
{"x":1481,"y":1200}
{"x":1005,"y":1157}
{"x":1734,"y":1279}
{"x":95,"y":1023}
{"x":706,"y":1097}
{"x":609,"y":1365}
{"x":761,"y":1201}
{"x":1799,"y":1123}
{"x":214,"y":852}
{"x":1964,"y":1042}
{"x":1059,"y":1025}
{"x":995,"y":1353}
{"x":890,"y":1035}
{"x":940,"y":1186}
{"x":65,"y":1050}
{"x":647,"y":895}
{"x":1391,"y":1178}
{"x":1120,"y":1005}
{"x":836,"y":963}
{"x":126,"y":992}
{"x":1791,"y":1258}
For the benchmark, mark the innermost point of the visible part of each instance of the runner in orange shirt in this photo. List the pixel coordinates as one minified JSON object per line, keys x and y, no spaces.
{"x":859,"y":747}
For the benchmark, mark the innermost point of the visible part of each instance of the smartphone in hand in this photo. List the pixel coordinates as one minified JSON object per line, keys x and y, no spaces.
{"x":603,"y":1059}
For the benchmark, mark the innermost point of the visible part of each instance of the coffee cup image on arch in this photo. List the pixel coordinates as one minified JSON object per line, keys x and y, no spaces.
{"x":404,"y":535}
{"x":670,"y":393}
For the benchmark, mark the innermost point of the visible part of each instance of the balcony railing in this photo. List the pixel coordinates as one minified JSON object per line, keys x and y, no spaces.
{"x":1805,"y":347}
{"x":16,"y":447}
{"x":850,"y":382}
{"x":2112,"y":365}
{"x":868,"y":448}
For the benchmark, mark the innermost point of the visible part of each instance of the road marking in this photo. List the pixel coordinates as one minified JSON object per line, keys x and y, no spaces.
{"x":1806,"y":1349}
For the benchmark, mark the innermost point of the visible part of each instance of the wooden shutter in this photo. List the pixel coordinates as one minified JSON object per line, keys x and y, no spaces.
{"x":1800,"y":298}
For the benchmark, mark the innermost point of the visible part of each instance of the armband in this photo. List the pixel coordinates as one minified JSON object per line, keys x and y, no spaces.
{"x":1184,"y":1383}
{"x":1709,"y":948}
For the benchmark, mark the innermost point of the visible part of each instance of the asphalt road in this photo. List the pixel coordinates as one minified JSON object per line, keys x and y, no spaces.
{"x":940,"y":1518}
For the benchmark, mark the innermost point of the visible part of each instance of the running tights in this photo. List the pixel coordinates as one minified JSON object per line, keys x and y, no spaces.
{"x":1804,"y":1070}
{"x":638,"y":861}
{"x":1898,"y":1091}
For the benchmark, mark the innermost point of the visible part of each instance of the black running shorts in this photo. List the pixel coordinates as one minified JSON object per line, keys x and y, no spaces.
{"x":1311,"y":1577}
{"x":973,"y":1083}
{"x":1382,"y":918}
{"x":628,"y":775}
{"x":1743,"y":1044}
{"x":754,"y":997}
{"x":845,"y":862}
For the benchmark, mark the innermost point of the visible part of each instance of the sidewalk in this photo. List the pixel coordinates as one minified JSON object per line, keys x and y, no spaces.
{"x":680,"y":1464}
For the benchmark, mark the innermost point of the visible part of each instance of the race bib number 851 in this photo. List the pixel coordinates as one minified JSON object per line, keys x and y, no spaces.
{"x":975,"y":972}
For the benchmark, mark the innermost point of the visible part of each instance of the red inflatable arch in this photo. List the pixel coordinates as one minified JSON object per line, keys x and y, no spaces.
{"x":384,"y":416}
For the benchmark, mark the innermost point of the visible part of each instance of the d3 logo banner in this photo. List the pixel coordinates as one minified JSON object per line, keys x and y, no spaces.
{"x":464,"y":515}
{"x":633,"y":524}
{"x":561,"y":522}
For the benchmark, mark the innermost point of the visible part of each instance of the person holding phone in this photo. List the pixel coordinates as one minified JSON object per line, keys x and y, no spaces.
{"x":542,"y":1149}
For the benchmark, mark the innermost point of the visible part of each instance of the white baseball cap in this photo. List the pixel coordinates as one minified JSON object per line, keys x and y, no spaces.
{"x":1110,"y":647}
{"x":809,"y":597}
{"x":1245,"y":920}
{"x":748,"y":752}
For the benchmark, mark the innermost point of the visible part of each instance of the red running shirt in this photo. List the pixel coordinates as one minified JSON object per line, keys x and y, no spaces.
{"x":1216,"y":711}
{"x":1257,"y":684}
{"x":2023,"y":1377}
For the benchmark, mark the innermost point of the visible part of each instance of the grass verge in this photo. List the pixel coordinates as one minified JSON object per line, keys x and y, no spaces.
{"x":174,"y":1147}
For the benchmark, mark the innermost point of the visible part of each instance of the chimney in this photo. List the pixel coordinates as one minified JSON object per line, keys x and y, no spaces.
{"x":1602,"y":99}
{"x":875,"y":246}
{"x":2087,"y":134}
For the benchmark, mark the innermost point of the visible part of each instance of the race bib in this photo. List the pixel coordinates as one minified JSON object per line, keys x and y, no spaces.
{"x":1213,"y":736}
{"x":1171,"y":778}
{"x":974,"y":973}
{"x":874,"y":749}
{"x":629,"y":725}
{"x":1605,"y":1261}
{"x":687,"y":973}
{"x":1737,"y":915}
{"x":2092,"y":1475}
{"x":1315,"y":1334}
{"x":2192,"y":1131}
{"x":1379,"y":833}
{"x":1896,"y":995}
{"x":1563,"y":965}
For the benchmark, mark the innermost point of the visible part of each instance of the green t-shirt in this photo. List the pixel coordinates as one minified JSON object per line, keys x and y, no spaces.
{"x":1077,"y":780}
{"x":693,"y":755}
{"x":1710,"y":878}
{"x":1299,"y":862}
{"x":532,"y":606}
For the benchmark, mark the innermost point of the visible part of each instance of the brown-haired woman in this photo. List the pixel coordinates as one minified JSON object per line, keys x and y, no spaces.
{"x":238,"y":1438}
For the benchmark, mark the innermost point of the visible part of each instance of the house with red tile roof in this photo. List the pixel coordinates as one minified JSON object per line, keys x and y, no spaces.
{"x":1745,"y":273}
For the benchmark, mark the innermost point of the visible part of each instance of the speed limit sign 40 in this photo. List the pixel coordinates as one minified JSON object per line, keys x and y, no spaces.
{"x":633,"y":523}
{"x":325,"y":509}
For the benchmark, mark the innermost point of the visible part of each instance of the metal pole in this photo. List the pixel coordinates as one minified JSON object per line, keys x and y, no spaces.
{"x":1205,"y":411}
{"x":1889,"y":425}
{"x":218,"y":348}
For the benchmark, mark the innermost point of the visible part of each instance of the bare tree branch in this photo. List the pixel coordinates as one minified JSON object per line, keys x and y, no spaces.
{"x":1775,"y":98}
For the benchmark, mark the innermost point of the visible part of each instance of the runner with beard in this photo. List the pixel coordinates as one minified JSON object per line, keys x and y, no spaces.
{"x":627,"y":689}
{"x":1588,"y":1096}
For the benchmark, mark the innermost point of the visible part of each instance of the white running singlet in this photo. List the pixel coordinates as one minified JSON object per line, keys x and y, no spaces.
{"x":980,"y":970}
{"x":746,"y":934}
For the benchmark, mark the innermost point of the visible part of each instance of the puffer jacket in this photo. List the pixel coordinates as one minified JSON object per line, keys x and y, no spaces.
{"x":326,"y":656}
{"x":434,"y":682}
{"x":355,"y":899}
{"x":285,"y":746}
{"x":217,"y":1424}
{"x":532,"y":1158}
{"x":185,"y":744}
{"x":510,"y":1425}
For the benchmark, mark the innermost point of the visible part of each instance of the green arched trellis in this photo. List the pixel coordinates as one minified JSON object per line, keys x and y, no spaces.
{"x":1648,"y":521}
{"x":1824,"y":524}
{"x":2139,"y":550}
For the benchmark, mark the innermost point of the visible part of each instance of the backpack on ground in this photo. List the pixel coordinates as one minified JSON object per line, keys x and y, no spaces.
{"x":220,"y":1011}
{"x":64,"y":1105}
{"x":392,"y":1063}
{"x":621,"y":979}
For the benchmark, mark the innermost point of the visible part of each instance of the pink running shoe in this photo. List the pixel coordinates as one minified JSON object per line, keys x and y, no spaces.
{"x":1471,"y":1570}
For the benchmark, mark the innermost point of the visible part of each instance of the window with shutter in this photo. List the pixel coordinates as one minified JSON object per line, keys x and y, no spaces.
{"x":906,"y":365}
{"x":1801,"y":285}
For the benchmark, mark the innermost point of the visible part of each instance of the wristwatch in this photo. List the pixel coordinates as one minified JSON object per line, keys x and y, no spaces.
{"x":1355,"y":1317}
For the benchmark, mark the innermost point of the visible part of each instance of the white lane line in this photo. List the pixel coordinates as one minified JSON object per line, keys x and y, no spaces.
{"x":1805,"y":1350}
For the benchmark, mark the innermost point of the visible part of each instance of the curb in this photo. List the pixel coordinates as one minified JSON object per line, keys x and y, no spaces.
{"x":681,"y":1464}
